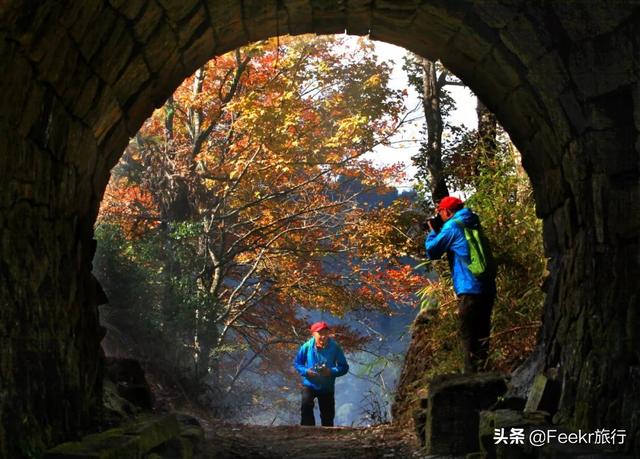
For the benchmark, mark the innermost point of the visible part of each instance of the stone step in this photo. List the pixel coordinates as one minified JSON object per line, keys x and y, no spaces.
{"x":448,"y":420}
{"x":167,"y":435}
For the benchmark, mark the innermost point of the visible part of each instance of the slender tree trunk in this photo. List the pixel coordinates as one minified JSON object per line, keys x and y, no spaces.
{"x":431,"y":88}
{"x":170,"y":110}
{"x":195,"y":116}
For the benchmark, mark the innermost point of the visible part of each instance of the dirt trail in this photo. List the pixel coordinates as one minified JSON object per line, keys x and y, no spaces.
{"x":225,"y":441}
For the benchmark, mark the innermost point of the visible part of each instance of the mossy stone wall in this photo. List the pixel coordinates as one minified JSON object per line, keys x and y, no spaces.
{"x":78,"y":78}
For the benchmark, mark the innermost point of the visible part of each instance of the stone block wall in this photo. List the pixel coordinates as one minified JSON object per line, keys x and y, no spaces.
{"x":80,"y":76}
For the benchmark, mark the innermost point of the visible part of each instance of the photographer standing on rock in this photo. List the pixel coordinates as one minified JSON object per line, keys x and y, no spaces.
{"x":319,"y":361}
{"x":456,"y":231}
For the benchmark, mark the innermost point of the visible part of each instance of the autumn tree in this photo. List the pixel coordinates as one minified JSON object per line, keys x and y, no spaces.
{"x":241,"y":196}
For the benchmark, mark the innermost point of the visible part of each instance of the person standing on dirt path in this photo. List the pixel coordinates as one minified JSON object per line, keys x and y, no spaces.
{"x":476,"y":292}
{"x":319,"y":361}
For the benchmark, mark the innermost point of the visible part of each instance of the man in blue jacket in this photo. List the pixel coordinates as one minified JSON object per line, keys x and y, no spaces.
{"x":475,"y":294}
{"x":319,"y":361}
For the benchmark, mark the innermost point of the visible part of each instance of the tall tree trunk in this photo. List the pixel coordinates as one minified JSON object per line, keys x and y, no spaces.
{"x":431,"y":87}
{"x":170,"y":111}
{"x":195,"y":115}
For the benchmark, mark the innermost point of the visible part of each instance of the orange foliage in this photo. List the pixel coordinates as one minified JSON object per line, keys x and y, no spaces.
{"x":254,"y":165}
{"x":129,"y":206}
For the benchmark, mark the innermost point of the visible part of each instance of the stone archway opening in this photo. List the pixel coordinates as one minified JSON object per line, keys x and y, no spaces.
{"x":262,"y":147}
{"x":173,"y":129}
{"x":78,"y":82}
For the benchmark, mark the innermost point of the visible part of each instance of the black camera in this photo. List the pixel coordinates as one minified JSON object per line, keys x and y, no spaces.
{"x":320,"y":368}
{"x":436,"y":223}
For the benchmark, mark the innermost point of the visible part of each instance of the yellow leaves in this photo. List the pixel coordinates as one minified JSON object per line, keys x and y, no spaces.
{"x":269,"y":172}
{"x":237,"y":170}
{"x":323,"y":67}
{"x":209,"y":184}
{"x":373,"y":81}
{"x":350,"y":124}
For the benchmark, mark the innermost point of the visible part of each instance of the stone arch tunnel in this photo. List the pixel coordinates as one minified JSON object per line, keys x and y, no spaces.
{"x":79,"y":77}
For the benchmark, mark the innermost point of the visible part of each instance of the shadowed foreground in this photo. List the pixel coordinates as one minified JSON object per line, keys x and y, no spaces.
{"x":79,"y":78}
{"x":241,"y":441}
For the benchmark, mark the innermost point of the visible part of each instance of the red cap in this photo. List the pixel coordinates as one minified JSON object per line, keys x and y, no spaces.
{"x":450,"y":203}
{"x":319,"y":326}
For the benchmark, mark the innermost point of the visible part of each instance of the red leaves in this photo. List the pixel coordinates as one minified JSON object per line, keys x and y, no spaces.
{"x":395,"y":283}
{"x":254,"y":164}
{"x":130,"y":206}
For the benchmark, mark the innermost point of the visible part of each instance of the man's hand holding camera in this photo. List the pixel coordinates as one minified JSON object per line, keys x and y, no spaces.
{"x":319,"y":371}
{"x":435,"y":223}
{"x":430,"y":225}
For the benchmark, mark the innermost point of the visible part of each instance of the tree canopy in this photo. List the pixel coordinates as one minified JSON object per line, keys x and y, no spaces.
{"x":241,"y":201}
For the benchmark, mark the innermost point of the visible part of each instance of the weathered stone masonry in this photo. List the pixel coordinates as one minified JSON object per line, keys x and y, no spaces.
{"x":78,"y":78}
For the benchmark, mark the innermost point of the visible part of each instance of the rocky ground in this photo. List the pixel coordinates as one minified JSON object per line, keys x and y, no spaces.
{"x":225,"y":441}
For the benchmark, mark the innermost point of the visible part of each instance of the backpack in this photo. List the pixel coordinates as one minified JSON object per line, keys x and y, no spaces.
{"x":482,"y":263}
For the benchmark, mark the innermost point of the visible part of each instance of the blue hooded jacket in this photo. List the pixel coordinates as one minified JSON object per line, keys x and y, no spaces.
{"x":451,"y":240}
{"x":309,"y":357}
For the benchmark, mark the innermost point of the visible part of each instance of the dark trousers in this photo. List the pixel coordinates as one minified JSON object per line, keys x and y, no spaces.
{"x":475,"y":328}
{"x":326,"y":402}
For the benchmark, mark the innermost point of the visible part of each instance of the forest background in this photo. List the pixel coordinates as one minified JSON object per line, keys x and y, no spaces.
{"x":253,"y":203}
